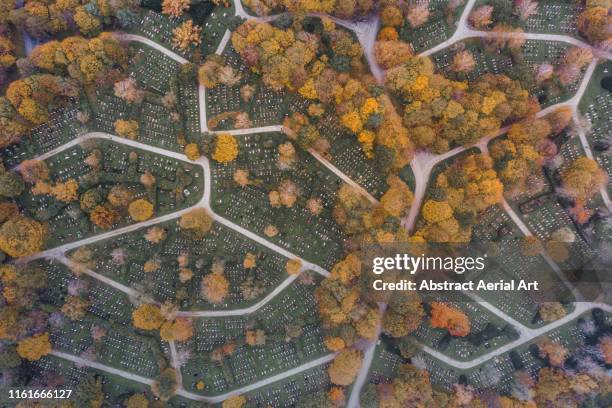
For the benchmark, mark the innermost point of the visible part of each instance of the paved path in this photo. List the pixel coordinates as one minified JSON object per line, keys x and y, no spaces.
{"x":366,"y":363}
{"x":342,"y":176}
{"x":102,"y":367}
{"x":181,"y":391}
{"x":579,"y":309}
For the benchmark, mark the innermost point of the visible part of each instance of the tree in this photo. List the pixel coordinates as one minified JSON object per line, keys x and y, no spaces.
{"x":463,"y":61}
{"x":11,"y":185}
{"x":175,"y":8}
{"x":180,"y":329}
{"x":450,"y":318}
{"x":215,"y":287}
{"x":345,"y":367}
{"x":560,"y":119}
{"x":137,"y":401}
{"x":165,"y":384}
{"x":127,"y":128}
{"x":127,"y":89}
{"x":525,"y":8}
{"x":397,"y":198}
{"x":241,"y":177}
{"x":196,"y":223}
{"x":186,"y":35}
{"x":235,"y":401}
{"x":35,"y":347}
{"x":594,"y":24}
{"x":288,"y":192}
{"x":551,"y":311}
{"x":334,"y":344}
{"x":226,"y":148}
{"x":480,"y":17}
{"x":554,"y":352}
{"x":250,"y":261}
{"x":141,"y":209}
{"x":404,"y":315}
{"x":33,"y":170}
{"x":583,"y":179}
{"x":21,"y":236}
{"x":255,"y":337}
{"x":120,"y":196}
{"x":391,"y":53}
{"x":418,"y":14}
{"x":336,"y":396}
{"x":293,"y":266}
{"x":436,"y":211}
{"x":103,"y":216}
{"x":62,"y":191}
{"x":391,"y":16}
{"x":147,"y":317}
{"x":192,"y":151}
{"x":155,"y":235}
{"x":605,"y":346}
{"x":75,"y":308}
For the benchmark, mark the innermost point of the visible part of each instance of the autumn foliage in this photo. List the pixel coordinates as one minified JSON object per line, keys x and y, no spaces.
{"x":450,"y":318}
{"x":343,"y":370}
{"x":226,"y":148}
{"x":21,"y":236}
{"x":141,"y":209}
{"x":35,"y":347}
{"x":196,"y":223}
{"x":147,"y":317}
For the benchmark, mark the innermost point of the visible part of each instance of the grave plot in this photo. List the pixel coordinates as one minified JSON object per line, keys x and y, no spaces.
{"x":106,"y":303}
{"x":159,"y":28}
{"x":230,"y":352}
{"x":264,"y":108}
{"x":500,"y":238}
{"x":533,"y":52}
{"x":498,"y":372}
{"x":62,"y":127}
{"x":346,"y":154}
{"x":168,"y":112}
{"x":555,"y":17}
{"x":596,"y":105}
{"x":216,"y":24}
{"x":152,"y":69}
{"x":385,"y":363}
{"x":104,"y":334}
{"x":289,"y":391}
{"x":307,"y":233}
{"x":439,"y":27}
{"x":98,"y":167}
{"x":160,"y":269}
{"x":487,"y":331}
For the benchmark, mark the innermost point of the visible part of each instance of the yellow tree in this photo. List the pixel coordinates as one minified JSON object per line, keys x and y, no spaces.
{"x":215,"y":286}
{"x":35,"y":347}
{"x":127,"y":128}
{"x":147,"y":317}
{"x":21,"y":236}
{"x":186,"y":35}
{"x":141,"y":209}
{"x":345,"y":367}
{"x":175,"y":8}
{"x":226,"y":148}
{"x":196,"y":223}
